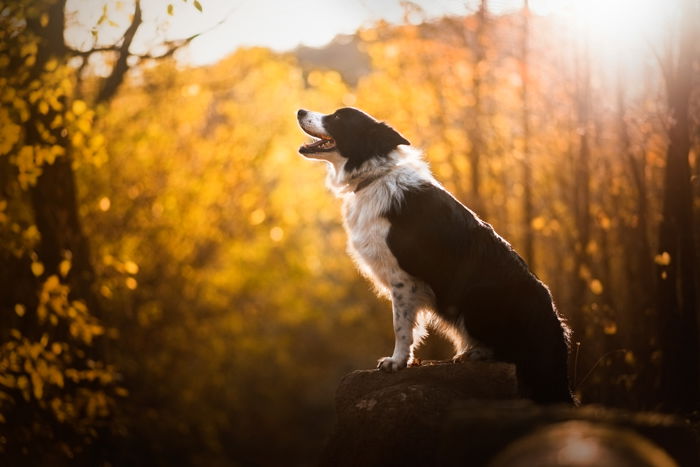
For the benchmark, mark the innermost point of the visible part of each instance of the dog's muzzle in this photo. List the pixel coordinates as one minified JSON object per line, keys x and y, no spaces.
{"x":312,"y":124}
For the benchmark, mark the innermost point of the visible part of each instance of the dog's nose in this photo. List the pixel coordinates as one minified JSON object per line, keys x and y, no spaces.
{"x":301,"y":113}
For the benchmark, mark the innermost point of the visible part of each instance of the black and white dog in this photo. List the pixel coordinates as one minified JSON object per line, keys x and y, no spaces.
{"x":434,"y":258}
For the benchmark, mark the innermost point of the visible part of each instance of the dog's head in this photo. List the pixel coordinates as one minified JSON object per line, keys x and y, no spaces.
{"x":349,"y":133}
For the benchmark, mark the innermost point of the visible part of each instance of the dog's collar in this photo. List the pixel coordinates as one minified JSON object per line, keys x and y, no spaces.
{"x":366,"y":182}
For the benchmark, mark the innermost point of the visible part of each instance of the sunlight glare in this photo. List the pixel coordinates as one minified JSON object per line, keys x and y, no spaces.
{"x":620,"y":24}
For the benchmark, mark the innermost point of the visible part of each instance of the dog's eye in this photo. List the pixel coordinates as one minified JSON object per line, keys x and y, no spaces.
{"x":336,"y":117}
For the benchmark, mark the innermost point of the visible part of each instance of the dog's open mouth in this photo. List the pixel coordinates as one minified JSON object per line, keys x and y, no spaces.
{"x":318,"y":145}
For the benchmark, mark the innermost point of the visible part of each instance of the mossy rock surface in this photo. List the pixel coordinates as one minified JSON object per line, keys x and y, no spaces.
{"x":468,"y":413}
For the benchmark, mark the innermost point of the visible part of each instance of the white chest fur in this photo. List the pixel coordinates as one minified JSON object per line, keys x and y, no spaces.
{"x":367,"y":230}
{"x":365,"y":221}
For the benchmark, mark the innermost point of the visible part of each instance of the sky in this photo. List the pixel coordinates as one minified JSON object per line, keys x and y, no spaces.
{"x":285,"y":24}
{"x":278,"y":24}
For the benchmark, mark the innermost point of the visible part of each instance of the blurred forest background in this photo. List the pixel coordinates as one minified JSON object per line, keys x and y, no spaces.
{"x":173,"y":283}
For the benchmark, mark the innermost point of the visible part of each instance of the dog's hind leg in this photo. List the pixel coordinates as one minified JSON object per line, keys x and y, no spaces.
{"x":466,"y":347}
{"x":474,"y":354}
{"x":471,"y":349}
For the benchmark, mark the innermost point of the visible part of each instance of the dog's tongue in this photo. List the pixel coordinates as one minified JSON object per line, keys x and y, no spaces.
{"x":316,"y":144}
{"x":319,"y":144}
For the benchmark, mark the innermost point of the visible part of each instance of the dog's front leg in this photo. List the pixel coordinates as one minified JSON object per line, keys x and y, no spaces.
{"x":404,"y":313}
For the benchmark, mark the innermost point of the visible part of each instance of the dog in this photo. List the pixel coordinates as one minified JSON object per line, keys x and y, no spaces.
{"x":435,"y":259}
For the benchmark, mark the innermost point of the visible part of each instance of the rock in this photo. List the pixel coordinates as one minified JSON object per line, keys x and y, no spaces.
{"x":464,"y":415}
{"x":502,"y":422}
{"x":577,"y":443}
{"x":390,"y":418}
{"x":444,"y":381}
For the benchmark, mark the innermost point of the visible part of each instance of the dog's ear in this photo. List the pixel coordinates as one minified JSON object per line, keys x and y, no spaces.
{"x":384,"y":139}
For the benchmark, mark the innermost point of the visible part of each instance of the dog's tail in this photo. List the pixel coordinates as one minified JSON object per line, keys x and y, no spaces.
{"x":545,"y":385}
{"x":543,"y":370}
{"x":523,"y":327}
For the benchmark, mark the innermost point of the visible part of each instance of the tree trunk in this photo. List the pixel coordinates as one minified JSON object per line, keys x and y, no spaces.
{"x":639,"y":301}
{"x":53,"y":198}
{"x":581,"y":195}
{"x":475,"y":130}
{"x":677,"y":280}
{"x":528,"y":233}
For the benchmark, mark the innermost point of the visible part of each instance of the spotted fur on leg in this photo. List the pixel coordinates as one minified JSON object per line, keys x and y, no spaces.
{"x":408,"y":330}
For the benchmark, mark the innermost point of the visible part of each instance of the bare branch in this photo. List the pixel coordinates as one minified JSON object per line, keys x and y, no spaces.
{"x":171,"y":48}
{"x":112,"y":82}
{"x":174,"y":45}
{"x":87,"y":53}
{"x":116,"y":77}
{"x":79,"y":77}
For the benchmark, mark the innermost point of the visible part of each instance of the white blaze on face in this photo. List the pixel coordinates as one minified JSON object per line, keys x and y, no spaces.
{"x":323,"y":147}
{"x":312,"y":123}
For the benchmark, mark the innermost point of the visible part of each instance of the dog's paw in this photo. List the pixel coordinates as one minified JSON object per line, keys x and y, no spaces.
{"x":460,"y":358}
{"x":475,"y":354}
{"x":390,"y":364}
{"x":413,"y":362}
{"x":480,"y":354}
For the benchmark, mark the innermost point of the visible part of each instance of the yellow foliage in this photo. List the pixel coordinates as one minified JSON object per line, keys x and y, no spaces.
{"x":663,"y":259}
{"x":7,"y":380}
{"x":130,"y":283}
{"x":30,"y":48}
{"x":610,"y":328}
{"x":64,"y":267}
{"x":596,"y":286}
{"x":131,"y":268}
{"x":37,"y":385}
{"x":79,"y":107}
{"x":257,"y":217}
{"x":538,"y":223}
{"x":10,"y":132}
{"x":28,"y":170}
{"x":276,"y":234}
{"x":37,"y":268}
{"x":104,"y":204}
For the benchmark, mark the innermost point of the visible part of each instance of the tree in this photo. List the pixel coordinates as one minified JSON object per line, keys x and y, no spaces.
{"x":476,"y":114}
{"x":677,"y":260}
{"x":55,"y":388}
{"x":581,"y":189}
{"x":527,"y":206}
